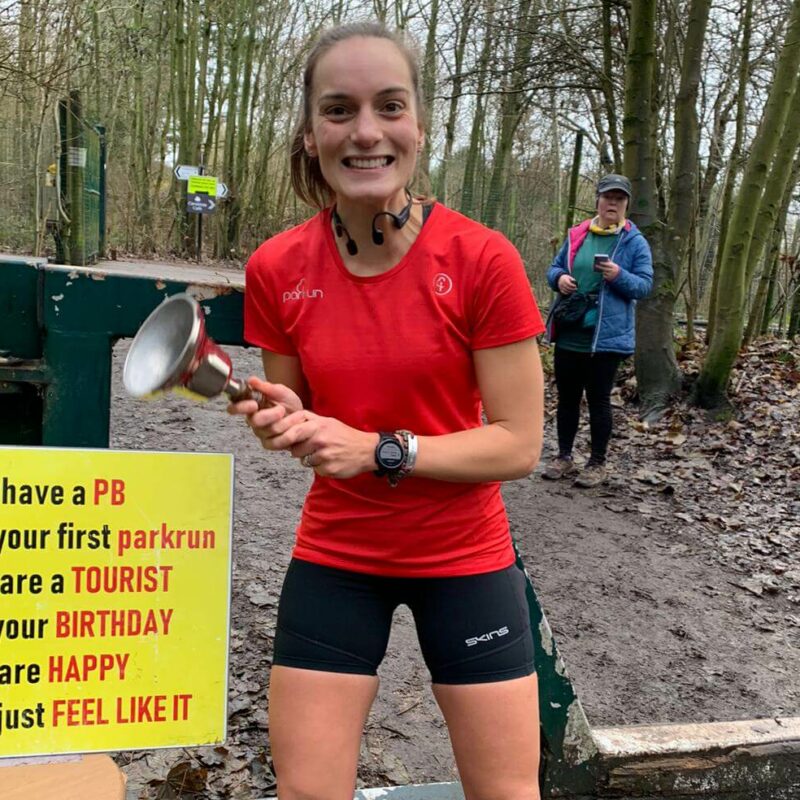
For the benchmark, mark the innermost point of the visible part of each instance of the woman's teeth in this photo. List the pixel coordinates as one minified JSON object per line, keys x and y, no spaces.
{"x":366,"y":163}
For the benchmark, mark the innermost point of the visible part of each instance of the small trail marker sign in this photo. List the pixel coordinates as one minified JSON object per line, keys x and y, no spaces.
{"x":200,"y":204}
{"x":185,"y":171}
{"x":203,"y":184}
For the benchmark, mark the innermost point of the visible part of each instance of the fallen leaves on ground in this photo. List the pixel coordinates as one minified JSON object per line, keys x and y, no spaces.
{"x":736,"y":481}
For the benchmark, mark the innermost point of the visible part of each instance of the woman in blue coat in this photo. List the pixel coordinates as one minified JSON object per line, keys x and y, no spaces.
{"x":608,"y":259}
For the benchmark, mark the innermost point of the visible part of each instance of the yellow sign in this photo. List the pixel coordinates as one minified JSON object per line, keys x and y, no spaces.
{"x":114,"y":599}
{"x":202,"y":184}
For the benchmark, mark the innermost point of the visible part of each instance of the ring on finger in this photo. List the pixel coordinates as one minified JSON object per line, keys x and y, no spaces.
{"x":306,"y":460}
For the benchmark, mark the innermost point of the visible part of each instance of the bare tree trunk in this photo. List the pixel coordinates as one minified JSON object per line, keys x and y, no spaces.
{"x":640,"y":160}
{"x":468,"y":190}
{"x":184,"y":117}
{"x":452,"y":116}
{"x":794,"y":315}
{"x":607,"y":87}
{"x":733,"y":160}
{"x":658,"y":375}
{"x":25,"y":128}
{"x":768,"y":308}
{"x":758,"y":320}
{"x":709,"y":197}
{"x":214,"y":99}
{"x":690,"y":292}
{"x":776,"y":186}
{"x":511,"y":106}
{"x":710,"y":389}
{"x":640,"y":166}
{"x":557,"y":208}
{"x":429,"y":78}
{"x":238,"y":154}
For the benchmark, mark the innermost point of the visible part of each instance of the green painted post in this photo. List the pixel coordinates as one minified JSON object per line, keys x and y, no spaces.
{"x":20,"y":350}
{"x":62,"y":229}
{"x":101,"y":240}
{"x":76,"y":165}
{"x":20,"y":280}
{"x":569,"y":754}
{"x":77,"y":404}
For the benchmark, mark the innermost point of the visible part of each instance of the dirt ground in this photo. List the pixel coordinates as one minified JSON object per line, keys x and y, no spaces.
{"x":663,"y":611}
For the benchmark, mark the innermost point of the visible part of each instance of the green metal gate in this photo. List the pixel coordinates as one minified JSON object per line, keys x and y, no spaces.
{"x":82,"y":162}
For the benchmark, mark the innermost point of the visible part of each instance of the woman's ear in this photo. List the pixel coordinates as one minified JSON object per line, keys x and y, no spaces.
{"x":309,"y":144}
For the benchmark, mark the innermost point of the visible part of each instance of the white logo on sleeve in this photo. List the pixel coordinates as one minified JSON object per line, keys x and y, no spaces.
{"x":301,"y":293}
{"x":442,"y":283}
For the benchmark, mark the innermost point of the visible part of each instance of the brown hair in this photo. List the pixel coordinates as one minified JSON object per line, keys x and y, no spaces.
{"x":307,"y":180}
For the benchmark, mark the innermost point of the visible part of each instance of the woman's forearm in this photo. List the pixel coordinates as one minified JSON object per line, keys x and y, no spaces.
{"x":490,"y":453}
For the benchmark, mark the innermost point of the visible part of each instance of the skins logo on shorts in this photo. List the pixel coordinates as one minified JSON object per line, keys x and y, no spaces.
{"x":301,"y":293}
{"x":442,"y":283}
{"x":486,"y":637}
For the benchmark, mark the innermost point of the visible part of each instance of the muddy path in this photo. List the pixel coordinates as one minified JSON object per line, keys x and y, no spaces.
{"x":656,"y":622}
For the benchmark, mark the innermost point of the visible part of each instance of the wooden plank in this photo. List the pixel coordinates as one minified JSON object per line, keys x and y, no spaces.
{"x":94,"y":777}
{"x":155,"y":270}
{"x":743,"y":760}
{"x":419,"y":791}
{"x":642,"y":740}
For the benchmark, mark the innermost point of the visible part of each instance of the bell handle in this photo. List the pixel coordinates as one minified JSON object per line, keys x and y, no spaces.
{"x":240,"y":390}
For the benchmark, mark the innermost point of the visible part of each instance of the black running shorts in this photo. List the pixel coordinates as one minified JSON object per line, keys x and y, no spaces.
{"x":472,"y":629}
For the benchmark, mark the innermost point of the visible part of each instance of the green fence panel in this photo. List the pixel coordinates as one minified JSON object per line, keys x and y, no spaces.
{"x":82,"y":160}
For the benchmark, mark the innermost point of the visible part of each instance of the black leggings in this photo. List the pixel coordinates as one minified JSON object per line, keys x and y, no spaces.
{"x":593,"y":373}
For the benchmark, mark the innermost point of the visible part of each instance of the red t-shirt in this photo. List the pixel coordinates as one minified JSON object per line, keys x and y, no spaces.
{"x":388,"y":352}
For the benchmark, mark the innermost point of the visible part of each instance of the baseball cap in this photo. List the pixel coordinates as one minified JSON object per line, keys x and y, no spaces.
{"x":610,"y":182}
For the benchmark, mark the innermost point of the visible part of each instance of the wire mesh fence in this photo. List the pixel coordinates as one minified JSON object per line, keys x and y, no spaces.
{"x":80,"y":184}
{"x":52,"y":184}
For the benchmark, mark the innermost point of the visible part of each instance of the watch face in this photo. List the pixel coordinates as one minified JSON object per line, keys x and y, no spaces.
{"x":390,"y":454}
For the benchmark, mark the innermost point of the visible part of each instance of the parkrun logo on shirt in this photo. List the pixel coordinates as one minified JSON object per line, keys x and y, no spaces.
{"x":301,"y":293}
{"x":442,"y":283}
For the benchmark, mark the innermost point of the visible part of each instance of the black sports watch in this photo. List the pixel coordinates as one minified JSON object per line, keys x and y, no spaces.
{"x":390,"y":456}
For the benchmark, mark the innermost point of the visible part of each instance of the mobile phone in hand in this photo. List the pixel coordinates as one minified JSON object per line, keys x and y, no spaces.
{"x":599,"y":258}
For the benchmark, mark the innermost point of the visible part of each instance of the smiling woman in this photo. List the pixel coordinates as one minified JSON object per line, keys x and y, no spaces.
{"x":390,"y":327}
{"x":307,"y":177}
{"x":364,"y":127}
{"x":357,"y":141}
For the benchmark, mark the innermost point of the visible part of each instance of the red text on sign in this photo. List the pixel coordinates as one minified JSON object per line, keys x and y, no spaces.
{"x":78,"y":711}
{"x":63,"y":669}
{"x":121,"y":579}
{"x":111,"y":491}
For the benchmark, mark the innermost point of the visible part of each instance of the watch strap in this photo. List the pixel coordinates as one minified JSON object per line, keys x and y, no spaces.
{"x":392,"y":474}
{"x":410,"y":446}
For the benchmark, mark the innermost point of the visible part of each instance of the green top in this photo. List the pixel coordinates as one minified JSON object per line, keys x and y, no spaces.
{"x":579,"y":340}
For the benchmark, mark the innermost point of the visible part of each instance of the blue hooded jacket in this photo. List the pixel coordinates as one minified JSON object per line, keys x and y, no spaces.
{"x":615,"y":328}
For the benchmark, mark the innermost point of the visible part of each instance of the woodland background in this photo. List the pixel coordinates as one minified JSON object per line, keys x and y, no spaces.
{"x":529,"y":102}
{"x":687,"y":562}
